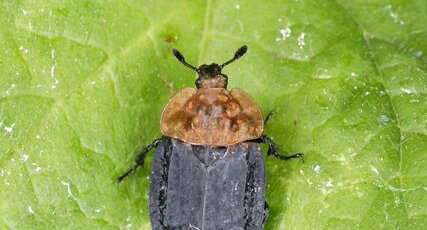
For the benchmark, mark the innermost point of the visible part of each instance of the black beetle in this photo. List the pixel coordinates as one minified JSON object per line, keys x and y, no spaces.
{"x":208,"y":171}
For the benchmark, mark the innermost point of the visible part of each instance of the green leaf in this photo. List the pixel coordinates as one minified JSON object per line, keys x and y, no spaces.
{"x":83,"y":84}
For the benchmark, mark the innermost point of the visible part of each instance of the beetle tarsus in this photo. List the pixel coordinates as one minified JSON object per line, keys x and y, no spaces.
{"x":273,"y":150}
{"x":268,"y":117}
{"x":133,"y":168}
{"x":139,"y":160}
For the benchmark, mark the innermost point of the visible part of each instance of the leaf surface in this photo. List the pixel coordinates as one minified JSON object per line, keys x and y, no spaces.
{"x":83,"y":84}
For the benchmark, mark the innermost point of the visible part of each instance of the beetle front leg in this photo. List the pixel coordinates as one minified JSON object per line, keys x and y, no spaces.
{"x":139,"y":160}
{"x":268,"y":117}
{"x":273,"y":149}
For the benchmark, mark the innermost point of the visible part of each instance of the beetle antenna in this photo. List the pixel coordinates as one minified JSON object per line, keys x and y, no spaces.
{"x":239,"y":53}
{"x":181,"y":58}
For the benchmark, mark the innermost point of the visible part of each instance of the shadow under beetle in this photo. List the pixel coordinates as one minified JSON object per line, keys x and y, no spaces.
{"x":208,"y":171}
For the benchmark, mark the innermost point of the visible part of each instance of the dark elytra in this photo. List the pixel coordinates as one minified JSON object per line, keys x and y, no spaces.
{"x":207,"y":188}
{"x":209,"y":172}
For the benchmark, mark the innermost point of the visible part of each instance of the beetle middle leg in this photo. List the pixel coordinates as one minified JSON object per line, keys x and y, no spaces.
{"x":273,"y":149}
{"x":139,"y":160}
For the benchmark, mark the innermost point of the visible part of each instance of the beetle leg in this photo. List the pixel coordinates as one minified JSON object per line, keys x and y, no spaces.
{"x":268,"y":117}
{"x":139,"y":160}
{"x":273,"y":149}
{"x":266,"y":209}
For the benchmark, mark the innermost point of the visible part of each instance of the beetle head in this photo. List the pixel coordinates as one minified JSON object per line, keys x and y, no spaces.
{"x":210,"y":76}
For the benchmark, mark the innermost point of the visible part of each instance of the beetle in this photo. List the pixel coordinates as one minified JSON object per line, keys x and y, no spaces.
{"x":208,"y":170}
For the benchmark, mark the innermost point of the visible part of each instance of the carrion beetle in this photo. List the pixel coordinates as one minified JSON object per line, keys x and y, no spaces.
{"x":208,"y":170}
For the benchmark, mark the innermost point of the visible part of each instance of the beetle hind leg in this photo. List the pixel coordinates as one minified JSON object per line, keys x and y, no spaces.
{"x":139,"y":160}
{"x":273,"y":149}
{"x":266,"y":209}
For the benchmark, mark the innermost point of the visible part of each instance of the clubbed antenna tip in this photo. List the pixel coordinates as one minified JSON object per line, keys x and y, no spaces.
{"x":181,"y":58}
{"x":178,"y":55}
{"x":242,"y":50}
{"x":239,"y":53}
